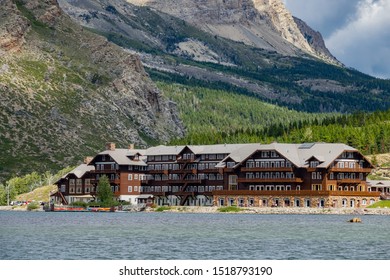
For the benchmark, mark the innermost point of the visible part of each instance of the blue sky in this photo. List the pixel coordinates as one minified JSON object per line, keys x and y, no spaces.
{"x":357,"y":32}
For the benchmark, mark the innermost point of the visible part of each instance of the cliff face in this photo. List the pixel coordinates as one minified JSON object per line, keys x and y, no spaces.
{"x":13,"y":27}
{"x":66,"y":91}
{"x":265,"y":24}
{"x":315,"y":40}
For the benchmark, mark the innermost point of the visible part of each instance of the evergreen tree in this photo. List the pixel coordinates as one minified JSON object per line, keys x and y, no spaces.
{"x":104,"y":193}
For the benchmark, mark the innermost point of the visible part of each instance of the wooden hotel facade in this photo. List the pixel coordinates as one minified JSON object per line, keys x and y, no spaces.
{"x":274,"y":175}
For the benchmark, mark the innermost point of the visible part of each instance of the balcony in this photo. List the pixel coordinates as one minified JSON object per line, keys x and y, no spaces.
{"x":270,"y":180}
{"x":349,"y":181}
{"x":267,"y":169}
{"x":351,"y":170}
{"x":297,"y":193}
{"x":104,"y":171}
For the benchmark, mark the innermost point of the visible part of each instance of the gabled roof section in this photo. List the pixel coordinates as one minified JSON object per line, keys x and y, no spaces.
{"x":316,"y":157}
{"x":215,"y":149}
{"x":79,"y":171}
{"x":82,"y":169}
{"x":164,"y":150}
{"x":328,"y":151}
{"x":297,"y":154}
{"x":120,"y":156}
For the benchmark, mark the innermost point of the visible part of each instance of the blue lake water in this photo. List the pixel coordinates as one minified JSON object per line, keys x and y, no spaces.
{"x":153,"y":236}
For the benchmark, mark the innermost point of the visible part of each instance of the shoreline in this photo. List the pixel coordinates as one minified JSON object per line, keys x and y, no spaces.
{"x":281,"y":210}
{"x":253,"y":210}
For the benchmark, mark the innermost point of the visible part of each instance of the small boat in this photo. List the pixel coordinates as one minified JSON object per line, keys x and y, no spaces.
{"x":68,"y":208}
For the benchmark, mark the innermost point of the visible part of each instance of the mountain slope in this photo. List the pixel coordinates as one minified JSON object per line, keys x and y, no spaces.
{"x":176,"y":46}
{"x":264,"y":24}
{"x":66,"y":91}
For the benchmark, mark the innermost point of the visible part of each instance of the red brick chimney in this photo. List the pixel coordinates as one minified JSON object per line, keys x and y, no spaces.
{"x":87,"y":160}
{"x":110,"y":146}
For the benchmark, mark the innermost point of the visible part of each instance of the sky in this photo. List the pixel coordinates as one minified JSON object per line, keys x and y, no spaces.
{"x":357,"y":32}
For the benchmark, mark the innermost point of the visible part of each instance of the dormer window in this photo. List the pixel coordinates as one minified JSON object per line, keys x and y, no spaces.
{"x":314,"y":164}
{"x":230,"y":164}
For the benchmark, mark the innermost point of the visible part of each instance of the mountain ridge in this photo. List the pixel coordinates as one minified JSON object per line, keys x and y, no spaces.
{"x":66,"y":91}
{"x":258,"y":23}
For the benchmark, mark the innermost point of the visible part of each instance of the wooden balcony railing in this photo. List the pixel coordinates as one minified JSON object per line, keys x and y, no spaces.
{"x":270,"y":180}
{"x":351,"y":170}
{"x":267,"y":169}
{"x":297,"y":193}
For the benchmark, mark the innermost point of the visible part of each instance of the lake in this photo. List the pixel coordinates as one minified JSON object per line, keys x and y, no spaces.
{"x":169,"y":236}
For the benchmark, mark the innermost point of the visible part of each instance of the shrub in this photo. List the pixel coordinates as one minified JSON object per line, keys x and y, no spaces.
{"x":230,"y":209}
{"x":162,"y":208}
{"x":79,"y":203}
{"x":32,"y":206}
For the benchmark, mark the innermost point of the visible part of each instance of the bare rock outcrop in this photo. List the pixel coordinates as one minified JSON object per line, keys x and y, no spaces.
{"x":315,"y":40}
{"x":265,"y":24}
{"x":13,"y":27}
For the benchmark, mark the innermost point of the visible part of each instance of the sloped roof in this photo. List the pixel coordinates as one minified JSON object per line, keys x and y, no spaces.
{"x":327,"y":151}
{"x":80,"y":170}
{"x":298,"y":154}
{"x":216,"y":149}
{"x":197,"y":149}
{"x":379,"y":183}
{"x":164,"y":150}
{"x":121,"y":156}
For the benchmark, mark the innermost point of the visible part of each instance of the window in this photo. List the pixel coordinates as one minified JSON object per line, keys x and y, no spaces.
{"x":364,"y":201}
{"x":344,"y":203}
{"x":331,"y":176}
{"x":135,"y":176}
{"x":63,"y":188}
{"x":136,"y":188}
{"x":316,"y":187}
{"x":314,"y":164}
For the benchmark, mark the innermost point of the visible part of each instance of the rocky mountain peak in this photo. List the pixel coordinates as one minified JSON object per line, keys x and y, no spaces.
{"x":265,"y":24}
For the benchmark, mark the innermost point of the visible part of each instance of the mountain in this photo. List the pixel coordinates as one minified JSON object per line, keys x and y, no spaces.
{"x":65,"y":91}
{"x":252,"y":47}
{"x":264,"y":24}
{"x":75,"y":74}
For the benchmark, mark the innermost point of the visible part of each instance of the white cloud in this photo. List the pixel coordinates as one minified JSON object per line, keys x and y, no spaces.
{"x":364,"y":41}
{"x":355,"y":31}
{"x":323,"y":15}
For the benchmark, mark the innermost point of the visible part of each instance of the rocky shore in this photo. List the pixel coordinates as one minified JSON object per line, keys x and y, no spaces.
{"x":257,"y":210}
{"x":282,"y":210}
